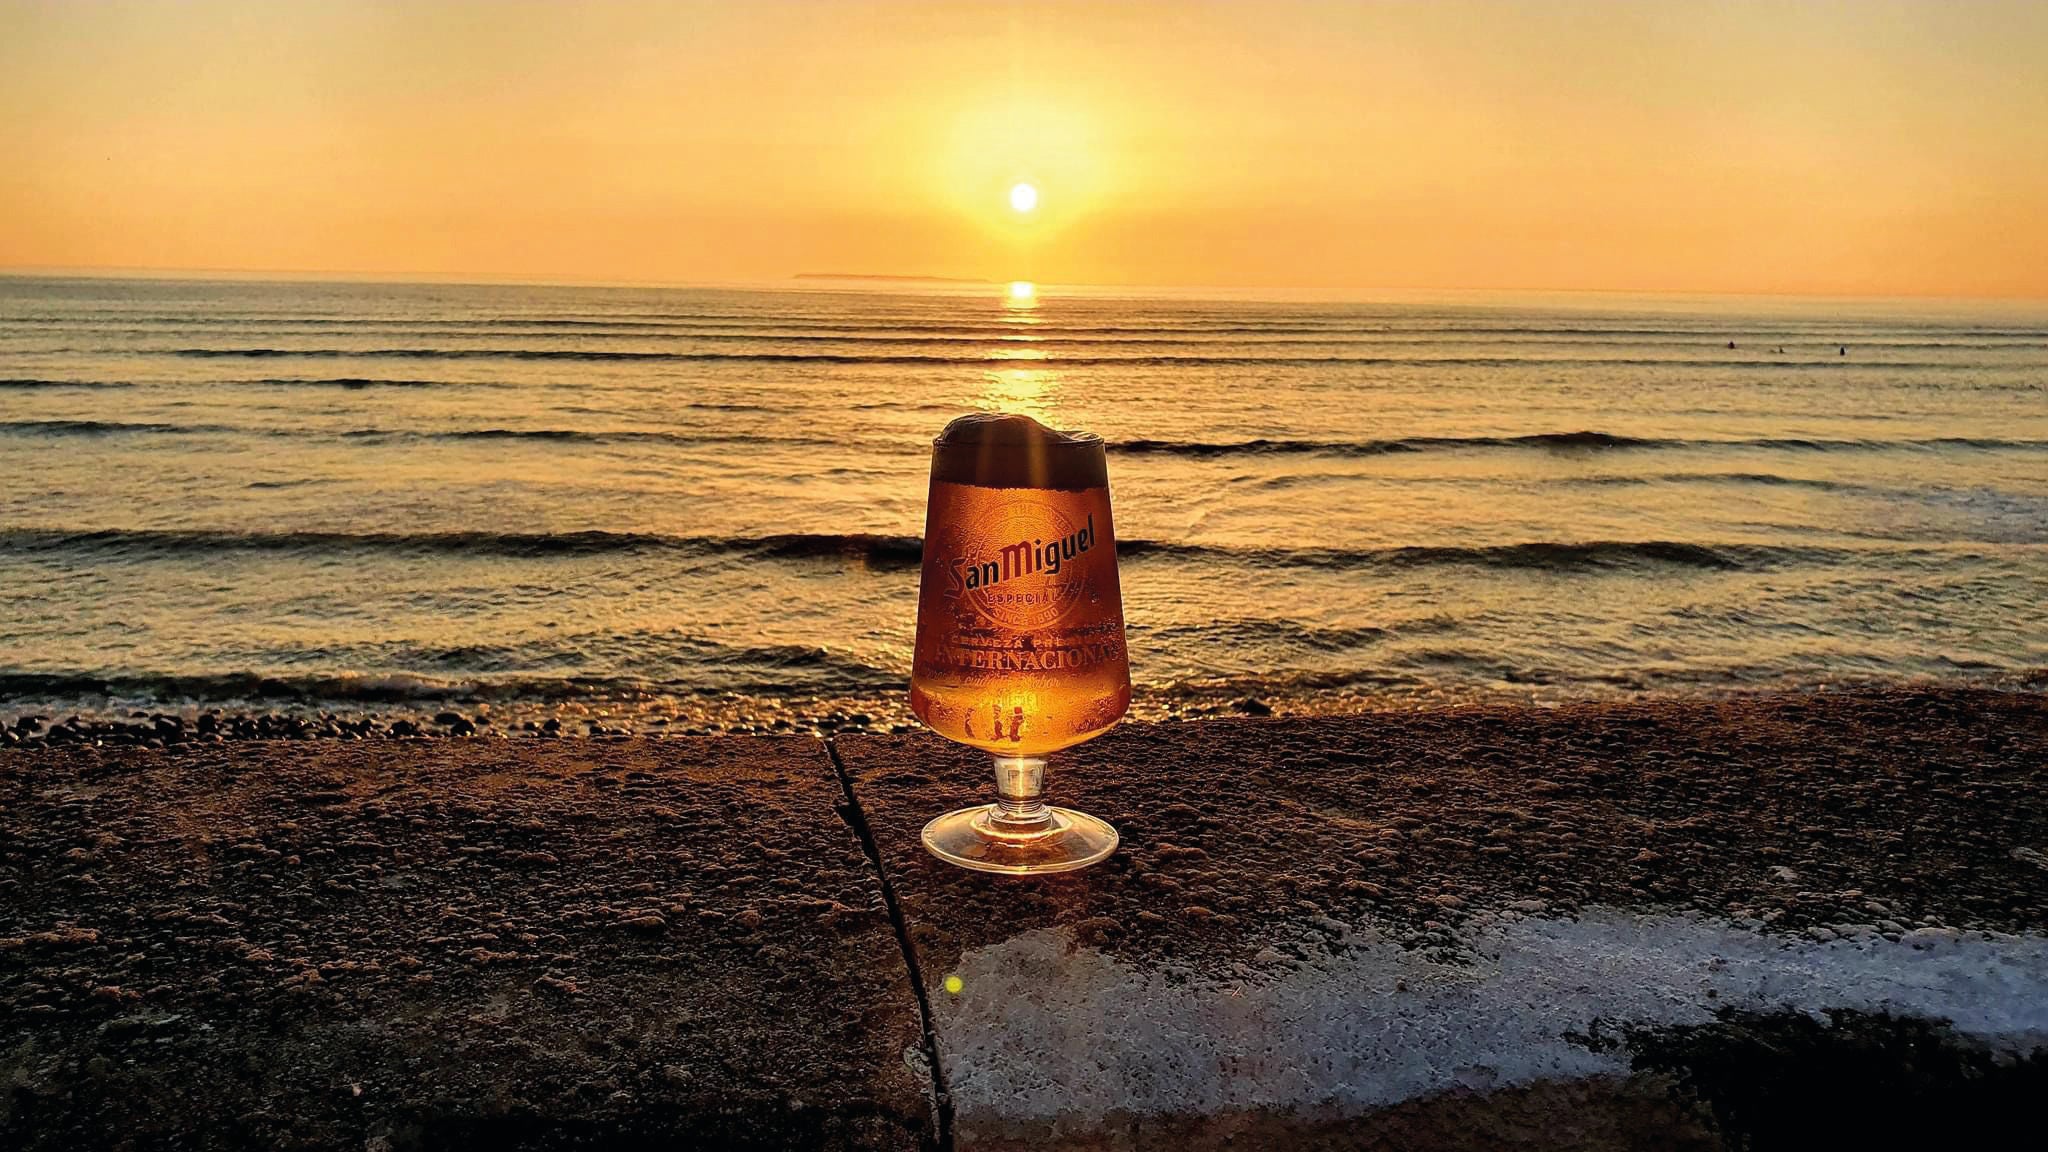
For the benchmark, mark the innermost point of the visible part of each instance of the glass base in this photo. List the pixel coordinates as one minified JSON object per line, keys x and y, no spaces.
{"x":978,"y":838}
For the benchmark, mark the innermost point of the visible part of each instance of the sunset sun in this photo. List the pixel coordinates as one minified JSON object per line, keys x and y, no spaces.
{"x":1024,"y":197}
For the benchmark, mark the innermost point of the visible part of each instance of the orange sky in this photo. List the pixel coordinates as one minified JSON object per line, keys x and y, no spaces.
{"x":1839,"y":148}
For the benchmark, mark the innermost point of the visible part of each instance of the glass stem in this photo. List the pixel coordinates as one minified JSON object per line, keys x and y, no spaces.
{"x":1020,"y":784}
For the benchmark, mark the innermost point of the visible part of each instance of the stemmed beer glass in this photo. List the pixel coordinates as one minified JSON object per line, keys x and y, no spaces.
{"x":1020,"y":631}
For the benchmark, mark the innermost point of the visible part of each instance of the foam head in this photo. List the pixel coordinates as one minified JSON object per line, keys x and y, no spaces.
{"x":1001,"y":450}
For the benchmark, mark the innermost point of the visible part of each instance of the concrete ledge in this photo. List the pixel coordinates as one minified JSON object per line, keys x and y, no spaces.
{"x":1414,"y":930}
{"x":458,"y":944}
{"x":1764,"y":922}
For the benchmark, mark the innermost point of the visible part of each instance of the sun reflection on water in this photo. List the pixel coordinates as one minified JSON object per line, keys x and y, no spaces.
{"x":1029,"y":392}
{"x":1032,"y":392}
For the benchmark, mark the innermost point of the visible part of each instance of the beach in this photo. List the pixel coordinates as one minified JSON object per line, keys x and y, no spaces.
{"x":1672,"y":923}
{"x":938,"y":577}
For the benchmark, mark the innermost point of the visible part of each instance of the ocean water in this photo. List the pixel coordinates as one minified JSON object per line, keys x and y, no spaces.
{"x":703,"y":505}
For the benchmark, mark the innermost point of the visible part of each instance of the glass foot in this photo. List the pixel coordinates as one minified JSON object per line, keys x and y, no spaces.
{"x":978,"y":838}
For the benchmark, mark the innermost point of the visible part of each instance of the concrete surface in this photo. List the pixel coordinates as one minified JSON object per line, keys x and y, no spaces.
{"x":456,"y":944}
{"x":1468,"y":929}
{"x":1769,"y":922}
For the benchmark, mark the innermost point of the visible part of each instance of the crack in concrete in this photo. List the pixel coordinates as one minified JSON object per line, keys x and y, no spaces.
{"x":856,"y":819}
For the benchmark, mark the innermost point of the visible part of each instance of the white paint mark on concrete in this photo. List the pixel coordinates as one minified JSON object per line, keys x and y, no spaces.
{"x":1044,"y":1031}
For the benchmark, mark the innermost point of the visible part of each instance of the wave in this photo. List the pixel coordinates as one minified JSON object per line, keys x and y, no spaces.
{"x":766,"y":669}
{"x":570,"y":354}
{"x":1585,"y":440}
{"x":1423,"y":672}
{"x":1265,"y":447}
{"x":25,"y":383}
{"x":1581,"y":441}
{"x":1296,"y":683}
{"x":1551,"y":555}
{"x":1809,"y":444}
{"x":358,"y":383}
{"x":1803,"y":348}
{"x":98,"y":428}
{"x":1748,"y":336}
{"x":364,"y":688}
{"x":896,"y":552}
{"x":1767,"y":479}
{"x":348,"y":382}
{"x":147,"y":543}
{"x":905,"y":406}
{"x":583,"y":436}
{"x":1258,"y":635}
{"x":639,"y":356}
{"x":874,"y":549}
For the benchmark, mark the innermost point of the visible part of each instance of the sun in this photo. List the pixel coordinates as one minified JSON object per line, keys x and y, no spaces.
{"x":1023,"y":290}
{"x":1024,"y":197}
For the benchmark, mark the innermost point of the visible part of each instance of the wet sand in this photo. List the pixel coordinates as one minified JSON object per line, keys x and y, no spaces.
{"x":476,"y":942}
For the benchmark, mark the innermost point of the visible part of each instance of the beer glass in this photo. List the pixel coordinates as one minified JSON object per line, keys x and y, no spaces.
{"x":1020,"y":631}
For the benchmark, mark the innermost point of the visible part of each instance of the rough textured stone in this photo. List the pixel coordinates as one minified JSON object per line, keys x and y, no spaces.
{"x":1376,"y":931}
{"x":1406,"y":850}
{"x":1797,"y":810}
{"x":446,"y":945}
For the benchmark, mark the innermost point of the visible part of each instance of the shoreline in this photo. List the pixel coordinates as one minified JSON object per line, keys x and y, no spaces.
{"x":1439,"y":929}
{"x":113,"y":721}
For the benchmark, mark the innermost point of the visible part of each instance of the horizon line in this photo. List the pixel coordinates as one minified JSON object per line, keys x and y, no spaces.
{"x":1252,"y":291}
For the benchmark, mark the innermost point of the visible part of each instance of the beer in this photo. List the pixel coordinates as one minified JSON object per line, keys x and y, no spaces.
{"x":1020,"y":632}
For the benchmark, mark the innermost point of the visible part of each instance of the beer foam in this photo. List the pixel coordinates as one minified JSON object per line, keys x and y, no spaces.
{"x":1003,"y":450}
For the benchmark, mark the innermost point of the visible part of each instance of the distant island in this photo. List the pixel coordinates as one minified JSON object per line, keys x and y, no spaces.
{"x":898,"y":279}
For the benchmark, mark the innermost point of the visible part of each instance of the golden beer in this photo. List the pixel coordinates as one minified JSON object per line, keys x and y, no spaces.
{"x":1020,"y":630}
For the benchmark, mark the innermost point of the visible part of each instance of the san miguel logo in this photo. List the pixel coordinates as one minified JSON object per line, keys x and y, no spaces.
{"x":1021,"y":568}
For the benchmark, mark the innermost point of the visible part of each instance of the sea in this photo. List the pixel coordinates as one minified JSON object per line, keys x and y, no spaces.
{"x":697,"y":509}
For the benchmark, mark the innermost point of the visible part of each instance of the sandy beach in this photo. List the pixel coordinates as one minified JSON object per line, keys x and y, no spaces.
{"x":487,"y":942}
